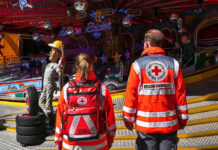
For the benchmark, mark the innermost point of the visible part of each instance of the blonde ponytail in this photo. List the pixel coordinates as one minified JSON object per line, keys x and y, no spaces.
{"x":83,"y":64}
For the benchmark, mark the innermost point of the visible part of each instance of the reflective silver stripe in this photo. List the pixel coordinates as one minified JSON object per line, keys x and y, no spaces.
{"x":65,"y":91}
{"x":184,"y":107}
{"x":74,"y":124}
{"x":156,"y":114}
{"x":90,"y":124}
{"x":103,"y":89}
{"x":183,"y":116}
{"x":156,"y":92}
{"x":112,"y":133}
{"x":111,"y":127}
{"x":56,"y":139}
{"x":137,"y":69}
{"x":129,"y":110}
{"x":176,"y":68}
{"x":94,"y":147}
{"x":82,"y":136}
{"x":102,"y":95}
{"x":90,"y":147}
{"x":129,"y":119}
{"x":91,"y":140}
{"x":157,"y":124}
{"x":57,"y":130}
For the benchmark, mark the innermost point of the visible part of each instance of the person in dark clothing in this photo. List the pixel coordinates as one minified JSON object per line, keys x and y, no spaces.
{"x":188,"y":50}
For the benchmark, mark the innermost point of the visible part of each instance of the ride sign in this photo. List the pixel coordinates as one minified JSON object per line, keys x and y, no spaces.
{"x":91,"y":27}
{"x":20,"y":86}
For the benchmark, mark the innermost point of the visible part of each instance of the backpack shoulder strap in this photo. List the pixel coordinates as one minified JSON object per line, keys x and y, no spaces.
{"x":73,"y":82}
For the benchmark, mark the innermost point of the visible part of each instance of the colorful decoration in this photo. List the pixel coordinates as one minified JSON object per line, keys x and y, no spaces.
{"x":97,"y":35}
{"x":99,"y":14}
{"x":23,"y":4}
{"x":36,"y":36}
{"x":203,"y":24}
{"x":104,"y":58}
{"x":95,"y":27}
{"x":127,"y":22}
{"x":80,"y":5}
{"x":91,"y":27}
{"x":116,"y":57}
{"x":47,"y":25}
{"x":70,"y":31}
{"x":174,"y":17}
{"x":127,"y":54}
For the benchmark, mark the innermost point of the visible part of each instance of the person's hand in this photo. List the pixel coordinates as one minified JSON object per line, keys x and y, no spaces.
{"x":63,"y":59}
{"x":129,"y":127}
{"x":62,"y":66}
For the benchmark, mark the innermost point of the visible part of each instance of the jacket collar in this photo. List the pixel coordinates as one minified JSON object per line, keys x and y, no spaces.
{"x":91,"y":76}
{"x":153,"y":51}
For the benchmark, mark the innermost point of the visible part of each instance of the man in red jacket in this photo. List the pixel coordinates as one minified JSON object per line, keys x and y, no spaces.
{"x":155,"y":97}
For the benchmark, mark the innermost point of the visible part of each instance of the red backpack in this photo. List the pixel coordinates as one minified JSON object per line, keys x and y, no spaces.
{"x":81,"y":117}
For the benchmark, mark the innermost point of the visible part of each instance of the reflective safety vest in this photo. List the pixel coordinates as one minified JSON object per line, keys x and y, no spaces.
{"x":155,"y":98}
{"x":83,"y":124}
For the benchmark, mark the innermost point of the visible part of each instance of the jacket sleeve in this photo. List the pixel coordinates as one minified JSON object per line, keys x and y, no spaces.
{"x":110,"y":117}
{"x":60,"y":109}
{"x":130,"y":102}
{"x":182,"y":109}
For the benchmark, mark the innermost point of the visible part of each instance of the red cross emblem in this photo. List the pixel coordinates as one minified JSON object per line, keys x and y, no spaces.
{"x":82,"y":101}
{"x":156,"y":70}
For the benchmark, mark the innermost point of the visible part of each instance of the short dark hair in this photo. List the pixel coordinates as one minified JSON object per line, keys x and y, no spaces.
{"x":155,"y":37}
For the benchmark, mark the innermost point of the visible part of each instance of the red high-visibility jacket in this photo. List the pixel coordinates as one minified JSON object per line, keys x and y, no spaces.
{"x":155,"y":96}
{"x":96,"y":144}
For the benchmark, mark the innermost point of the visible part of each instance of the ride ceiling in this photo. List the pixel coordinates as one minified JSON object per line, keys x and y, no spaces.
{"x":15,"y":19}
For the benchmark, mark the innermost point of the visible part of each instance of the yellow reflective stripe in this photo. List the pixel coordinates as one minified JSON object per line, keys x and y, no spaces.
{"x":156,"y":114}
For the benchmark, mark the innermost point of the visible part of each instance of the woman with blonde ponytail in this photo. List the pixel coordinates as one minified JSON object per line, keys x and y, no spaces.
{"x":74,"y":93}
{"x":84,"y":65}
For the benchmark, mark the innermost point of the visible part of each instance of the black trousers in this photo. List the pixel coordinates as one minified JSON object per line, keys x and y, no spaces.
{"x":156,"y":141}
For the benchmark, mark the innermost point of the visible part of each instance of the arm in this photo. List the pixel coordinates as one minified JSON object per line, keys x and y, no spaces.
{"x":60,"y":109}
{"x":110,"y":117}
{"x":61,"y":65}
{"x":182,"y":110}
{"x":130,"y":103}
